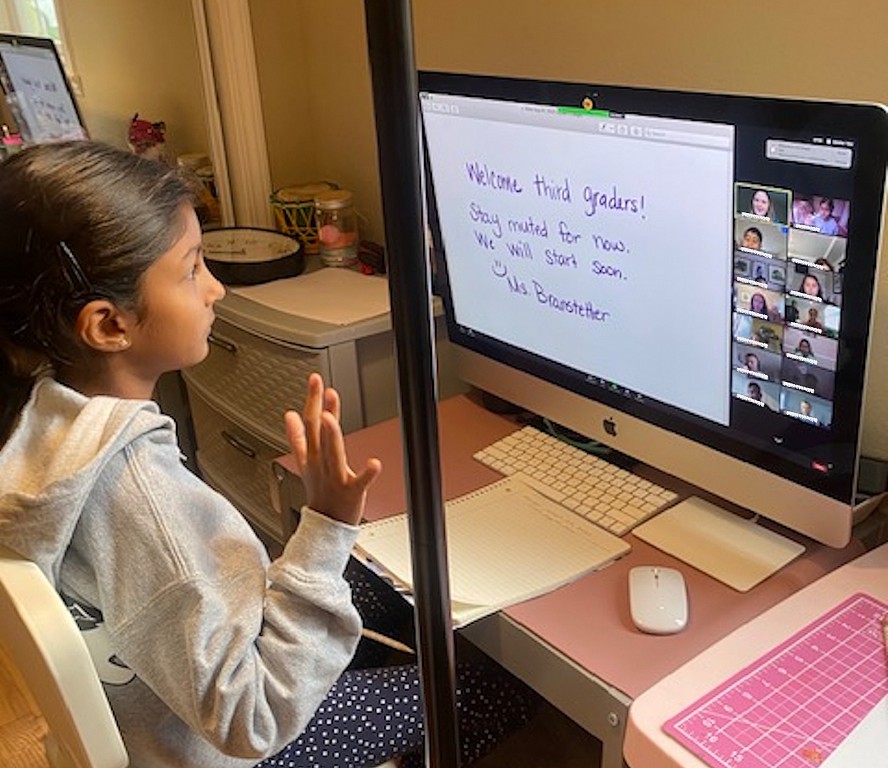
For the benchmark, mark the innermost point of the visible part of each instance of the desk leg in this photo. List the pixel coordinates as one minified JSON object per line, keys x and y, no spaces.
{"x":590,"y":702}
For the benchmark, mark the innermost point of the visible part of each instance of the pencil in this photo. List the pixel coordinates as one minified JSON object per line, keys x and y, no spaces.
{"x":885,"y":634}
{"x":379,"y":638}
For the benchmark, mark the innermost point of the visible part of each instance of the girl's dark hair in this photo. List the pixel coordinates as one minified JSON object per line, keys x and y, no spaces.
{"x":79,"y":220}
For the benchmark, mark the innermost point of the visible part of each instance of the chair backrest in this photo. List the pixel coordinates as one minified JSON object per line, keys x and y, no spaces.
{"x":45,"y":645}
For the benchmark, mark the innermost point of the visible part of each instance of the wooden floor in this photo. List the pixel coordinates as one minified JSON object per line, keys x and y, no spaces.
{"x":21,"y":727}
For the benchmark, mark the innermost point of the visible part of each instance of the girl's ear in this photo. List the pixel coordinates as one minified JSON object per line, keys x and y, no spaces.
{"x":102,"y":326}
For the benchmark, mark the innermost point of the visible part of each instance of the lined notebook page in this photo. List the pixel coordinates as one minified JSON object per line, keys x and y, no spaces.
{"x":505,"y":543}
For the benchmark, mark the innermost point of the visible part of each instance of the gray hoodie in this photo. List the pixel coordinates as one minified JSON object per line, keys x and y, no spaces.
{"x":211,"y":656}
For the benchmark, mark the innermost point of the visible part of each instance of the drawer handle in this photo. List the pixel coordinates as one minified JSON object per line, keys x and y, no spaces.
{"x":228,"y":346}
{"x":236,"y":442}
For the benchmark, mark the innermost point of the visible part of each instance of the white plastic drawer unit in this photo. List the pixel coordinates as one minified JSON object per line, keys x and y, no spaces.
{"x":238,"y":396}
{"x":257,"y":369}
{"x":238,"y":465}
{"x":254,"y":380}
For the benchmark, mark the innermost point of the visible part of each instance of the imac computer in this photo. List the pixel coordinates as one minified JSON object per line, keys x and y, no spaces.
{"x":37,"y":91}
{"x":687,"y":278}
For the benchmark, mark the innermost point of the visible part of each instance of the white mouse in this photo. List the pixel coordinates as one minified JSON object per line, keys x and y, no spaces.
{"x":658,"y":600}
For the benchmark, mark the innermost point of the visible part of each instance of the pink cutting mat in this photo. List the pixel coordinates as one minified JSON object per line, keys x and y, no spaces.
{"x":794,"y":706}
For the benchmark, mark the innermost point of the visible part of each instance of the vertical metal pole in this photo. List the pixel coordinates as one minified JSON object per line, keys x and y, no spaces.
{"x":390,"y":41}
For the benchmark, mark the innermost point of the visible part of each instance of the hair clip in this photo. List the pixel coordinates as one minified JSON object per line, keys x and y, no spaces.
{"x":77,"y":277}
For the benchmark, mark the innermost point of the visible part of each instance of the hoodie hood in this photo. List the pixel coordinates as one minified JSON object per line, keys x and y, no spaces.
{"x":52,"y":460}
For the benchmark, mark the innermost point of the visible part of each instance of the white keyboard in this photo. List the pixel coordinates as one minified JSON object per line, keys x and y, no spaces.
{"x":609,"y":496}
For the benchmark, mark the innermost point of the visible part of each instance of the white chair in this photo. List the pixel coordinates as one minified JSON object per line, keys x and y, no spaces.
{"x":46,"y":647}
{"x":50,"y":655}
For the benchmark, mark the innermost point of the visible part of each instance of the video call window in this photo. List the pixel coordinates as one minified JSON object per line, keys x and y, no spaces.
{"x":787,"y":292}
{"x":787,"y":298}
{"x":762,"y":203}
{"x":821,"y":214}
{"x":761,"y":237}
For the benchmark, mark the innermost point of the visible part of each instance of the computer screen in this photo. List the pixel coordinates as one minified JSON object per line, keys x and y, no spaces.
{"x":686,"y":277}
{"x":37,"y":90}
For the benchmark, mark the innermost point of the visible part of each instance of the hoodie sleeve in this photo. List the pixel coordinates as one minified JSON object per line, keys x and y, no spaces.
{"x":242,"y":650}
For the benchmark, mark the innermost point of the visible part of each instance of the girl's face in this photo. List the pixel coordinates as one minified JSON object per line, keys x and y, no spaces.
{"x":757,"y":303}
{"x":804,"y":346}
{"x":176,"y":307}
{"x":761,"y":203}
{"x":810,"y":286}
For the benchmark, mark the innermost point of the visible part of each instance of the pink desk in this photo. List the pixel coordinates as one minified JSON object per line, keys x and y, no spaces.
{"x":577,"y":646}
{"x":646,"y":744}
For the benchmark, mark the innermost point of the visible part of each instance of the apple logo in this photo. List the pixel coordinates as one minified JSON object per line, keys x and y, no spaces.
{"x":610,"y":426}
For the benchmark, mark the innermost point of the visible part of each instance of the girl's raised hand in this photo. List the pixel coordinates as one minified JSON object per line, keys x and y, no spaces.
{"x":332,"y":487}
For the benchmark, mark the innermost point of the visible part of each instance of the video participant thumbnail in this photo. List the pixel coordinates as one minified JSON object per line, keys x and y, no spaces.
{"x":758,"y":332}
{"x":809,"y":378}
{"x":761,"y":237}
{"x":827,"y":253}
{"x":756,"y":362}
{"x":807,"y":408}
{"x":758,"y":301}
{"x":764,"y":394}
{"x":816,"y":317}
{"x":762,"y":203}
{"x":760,"y":270}
{"x":814,"y":282}
{"x":812,"y":348}
{"x":821,"y":214}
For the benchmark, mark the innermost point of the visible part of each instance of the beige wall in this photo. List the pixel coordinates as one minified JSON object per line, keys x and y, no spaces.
{"x":282,"y":61}
{"x":316,"y":97}
{"x":816,"y":49}
{"x":140,"y":57}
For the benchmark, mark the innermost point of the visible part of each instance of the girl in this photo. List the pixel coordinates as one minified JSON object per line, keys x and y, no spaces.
{"x":212,"y":655}
{"x":811,"y":286}
{"x":758,"y":304}
{"x":760,"y":204}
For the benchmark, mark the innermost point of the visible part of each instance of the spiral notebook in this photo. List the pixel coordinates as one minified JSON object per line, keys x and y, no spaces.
{"x":506,"y":543}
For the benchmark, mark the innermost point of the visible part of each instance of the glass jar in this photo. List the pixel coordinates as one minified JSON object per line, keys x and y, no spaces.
{"x":337,"y":228}
{"x":295,"y":211}
{"x":12,"y":142}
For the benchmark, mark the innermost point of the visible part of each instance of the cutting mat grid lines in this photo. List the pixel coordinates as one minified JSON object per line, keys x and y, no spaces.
{"x":794,"y":706}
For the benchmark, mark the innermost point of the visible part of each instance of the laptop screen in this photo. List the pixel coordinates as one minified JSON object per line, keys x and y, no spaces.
{"x":37,"y":90}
